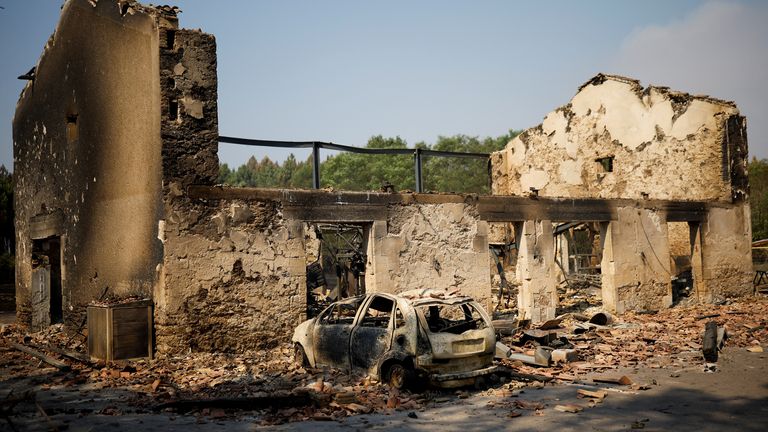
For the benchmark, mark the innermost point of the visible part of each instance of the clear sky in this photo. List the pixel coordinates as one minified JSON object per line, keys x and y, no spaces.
{"x":343,"y":71}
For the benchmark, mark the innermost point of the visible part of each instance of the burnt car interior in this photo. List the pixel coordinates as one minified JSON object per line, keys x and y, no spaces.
{"x":378,"y":313}
{"x":455,"y":319}
{"x":342,"y":312}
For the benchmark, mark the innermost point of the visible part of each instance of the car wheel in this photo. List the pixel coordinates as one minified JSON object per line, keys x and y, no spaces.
{"x":299,"y":356}
{"x":399,"y":376}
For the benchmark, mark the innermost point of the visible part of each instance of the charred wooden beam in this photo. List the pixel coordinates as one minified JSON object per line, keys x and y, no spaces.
{"x":50,"y":360}
{"x":492,"y":208}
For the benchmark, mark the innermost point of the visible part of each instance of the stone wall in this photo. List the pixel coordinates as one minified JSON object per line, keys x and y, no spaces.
{"x":726,"y":253}
{"x":638,"y":146}
{"x":189,"y":107}
{"x":234,"y":277}
{"x":659,"y":141}
{"x":87,"y":157}
{"x":430,"y":246}
{"x":635,"y":266}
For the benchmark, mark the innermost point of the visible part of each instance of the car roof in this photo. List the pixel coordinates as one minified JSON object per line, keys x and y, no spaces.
{"x":416,"y":297}
{"x":425,"y":296}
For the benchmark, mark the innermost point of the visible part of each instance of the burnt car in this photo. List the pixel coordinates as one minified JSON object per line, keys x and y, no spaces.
{"x":414,"y":338}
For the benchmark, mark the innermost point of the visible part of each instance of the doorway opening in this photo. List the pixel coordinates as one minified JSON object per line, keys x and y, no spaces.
{"x":578,"y":256}
{"x":502,"y":245}
{"x":680,"y":253}
{"x":340,"y":256}
{"x":46,"y":271}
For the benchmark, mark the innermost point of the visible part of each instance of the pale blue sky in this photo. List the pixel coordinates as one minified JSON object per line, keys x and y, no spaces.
{"x":343,"y":71}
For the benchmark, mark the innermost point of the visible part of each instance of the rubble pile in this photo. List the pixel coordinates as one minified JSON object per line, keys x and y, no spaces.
{"x":671,"y":338}
{"x":269,"y":387}
{"x":200,"y":384}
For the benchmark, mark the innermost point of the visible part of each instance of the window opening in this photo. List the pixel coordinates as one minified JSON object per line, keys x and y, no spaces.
{"x":606,"y":163}
{"x":173,"y":109}
{"x":341,"y":313}
{"x":399,"y":319}
{"x":378,"y":313}
{"x":72,"y":132}
{"x":170,"y":38}
{"x":455,"y":319}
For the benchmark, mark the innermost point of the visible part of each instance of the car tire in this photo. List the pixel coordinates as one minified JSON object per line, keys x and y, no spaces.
{"x":299,"y":356}
{"x":399,"y":376}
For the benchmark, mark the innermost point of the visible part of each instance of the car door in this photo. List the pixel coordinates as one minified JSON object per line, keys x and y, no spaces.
{"x":332,"y":331}
{"x":372,"y":336}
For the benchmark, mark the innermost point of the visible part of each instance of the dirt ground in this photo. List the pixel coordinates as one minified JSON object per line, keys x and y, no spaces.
{"x":659,"y":353}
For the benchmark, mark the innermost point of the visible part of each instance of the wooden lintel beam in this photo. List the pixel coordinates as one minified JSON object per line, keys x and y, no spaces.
{"x":320,"y":205}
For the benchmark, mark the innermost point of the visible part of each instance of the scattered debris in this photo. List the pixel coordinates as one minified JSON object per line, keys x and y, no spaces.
{"x":569,"y":408}
{"x":601,"y":318}
{"x":207,"y":385}
{"x":599,"y":394}
{"x":622,"y":380}
{"x":564,"y":356}
{"x":51,"y":361}
{"x":709,"y":342}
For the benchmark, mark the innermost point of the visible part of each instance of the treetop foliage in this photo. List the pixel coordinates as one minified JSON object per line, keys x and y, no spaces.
{"x":353,"y":171}
{"x":758,"y":197}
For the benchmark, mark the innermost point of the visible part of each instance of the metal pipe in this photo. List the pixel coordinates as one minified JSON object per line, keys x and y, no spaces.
{"x":316,"y":165}
{"x":351,"y":149}
{"x":417,"y":167}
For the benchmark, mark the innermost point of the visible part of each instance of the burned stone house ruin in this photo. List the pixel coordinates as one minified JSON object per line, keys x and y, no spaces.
{"x":115,"y":148}
{"x":672,"y":169}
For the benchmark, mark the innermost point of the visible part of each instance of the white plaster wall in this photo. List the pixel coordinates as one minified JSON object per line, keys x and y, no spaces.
{"x":665,"y":144}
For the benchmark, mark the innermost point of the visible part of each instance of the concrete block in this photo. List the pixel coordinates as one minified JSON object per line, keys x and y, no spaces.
{"x":564,"y":356}
{"x":543,"y":355}
{"x":502,"y":351}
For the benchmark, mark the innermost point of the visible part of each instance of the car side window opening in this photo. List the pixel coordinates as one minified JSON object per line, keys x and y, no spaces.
{"x":379,"y":313}
{"x":340,"y":313}
{"x":399,"y":319}
{"x":454,"y":319}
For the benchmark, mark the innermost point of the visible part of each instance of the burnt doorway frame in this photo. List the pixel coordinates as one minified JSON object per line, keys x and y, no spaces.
{"x":343,"y":259}
{"x":47,"y":253}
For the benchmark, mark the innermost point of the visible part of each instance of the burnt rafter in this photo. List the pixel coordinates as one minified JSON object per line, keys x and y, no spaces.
{"x":328,"y":206}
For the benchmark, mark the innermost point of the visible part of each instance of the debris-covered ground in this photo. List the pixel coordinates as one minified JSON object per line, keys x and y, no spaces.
{"x":266,"y":388}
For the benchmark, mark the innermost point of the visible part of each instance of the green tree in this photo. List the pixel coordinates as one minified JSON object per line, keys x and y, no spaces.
{"x":758,"y":197}
{"x":7,"y":230}
{"x":355,"y":171}
{"x":301,"y":175}
{"x":462,"y":175}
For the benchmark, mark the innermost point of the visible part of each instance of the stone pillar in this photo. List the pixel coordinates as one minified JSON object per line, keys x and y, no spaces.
{"x":536,"y":270}
{"x":726,"y":252}
{"x":635,"y":266}
{"x":480,"y":288}
{"x":377,"y":267}
{"x":563,"y":245}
